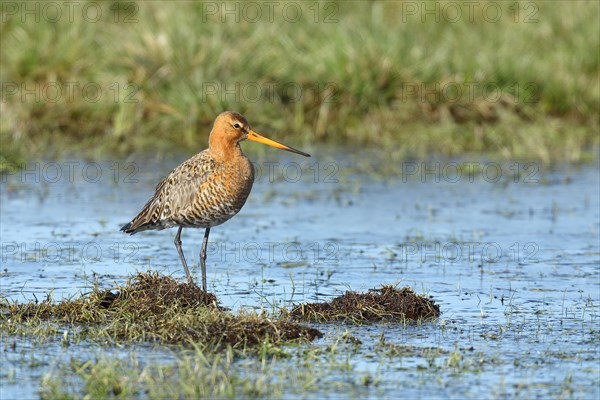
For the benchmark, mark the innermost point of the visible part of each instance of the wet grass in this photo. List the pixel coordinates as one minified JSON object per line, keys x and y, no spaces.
{"x":370,"y":74}
{"x":385,"y":304}
{"x":158,"y":309}
{"x":350,"y":361}
{"x":326,"y":369}
{"x":217,"y":353}
{"x":198,"y":374}
{"x":148,"y":308}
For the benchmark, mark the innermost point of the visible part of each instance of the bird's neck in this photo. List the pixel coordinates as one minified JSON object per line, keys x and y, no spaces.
{"x":224,"y":150}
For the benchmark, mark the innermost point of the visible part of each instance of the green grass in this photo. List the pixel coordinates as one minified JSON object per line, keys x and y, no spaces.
{"x":198,"y":374}
{"x":372,"y":74}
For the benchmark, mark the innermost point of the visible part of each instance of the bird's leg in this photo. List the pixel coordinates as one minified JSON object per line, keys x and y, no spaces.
{"x":178,"y":246}
{"x":203,"y":258}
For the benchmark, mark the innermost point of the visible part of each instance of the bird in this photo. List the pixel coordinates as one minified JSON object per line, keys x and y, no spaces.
{"x":207,"y":189}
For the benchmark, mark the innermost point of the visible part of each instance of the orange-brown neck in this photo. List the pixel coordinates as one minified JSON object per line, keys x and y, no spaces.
{"x":224,"y":148}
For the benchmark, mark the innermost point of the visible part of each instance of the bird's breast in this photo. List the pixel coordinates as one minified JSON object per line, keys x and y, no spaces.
{"x":224,"y":193}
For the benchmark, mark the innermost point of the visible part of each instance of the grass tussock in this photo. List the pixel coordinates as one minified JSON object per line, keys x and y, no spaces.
{"x":384,"y":304}
{"x":524,"y":84}
{"x":149,"y":308}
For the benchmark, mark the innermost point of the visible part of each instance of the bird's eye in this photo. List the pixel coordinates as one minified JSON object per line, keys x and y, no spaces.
{"x":236,"y":125}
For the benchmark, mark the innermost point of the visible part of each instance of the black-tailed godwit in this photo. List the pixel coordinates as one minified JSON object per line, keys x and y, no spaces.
{"x":207,"y":189}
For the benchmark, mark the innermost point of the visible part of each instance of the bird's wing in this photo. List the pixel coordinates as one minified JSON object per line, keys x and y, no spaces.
{"x":174,"y":193}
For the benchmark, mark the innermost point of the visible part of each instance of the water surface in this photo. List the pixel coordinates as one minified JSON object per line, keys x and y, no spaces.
{"x":512,"y":259}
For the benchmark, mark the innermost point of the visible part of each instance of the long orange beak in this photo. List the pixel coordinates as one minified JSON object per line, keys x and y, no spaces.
{"x":255,"y":137}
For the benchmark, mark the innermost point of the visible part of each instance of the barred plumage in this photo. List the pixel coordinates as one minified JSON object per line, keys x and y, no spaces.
{"x":207,"y":189}
{"x":200,"y":193}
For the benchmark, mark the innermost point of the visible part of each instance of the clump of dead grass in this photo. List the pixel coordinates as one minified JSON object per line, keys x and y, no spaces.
{"x":149,"y":308}
{"x":384,"y":304}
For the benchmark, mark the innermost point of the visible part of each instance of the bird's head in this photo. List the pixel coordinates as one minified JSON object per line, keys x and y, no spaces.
{"x":231,"y":127}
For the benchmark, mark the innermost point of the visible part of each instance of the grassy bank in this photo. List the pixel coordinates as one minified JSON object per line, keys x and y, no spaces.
{"x":518,"y":81}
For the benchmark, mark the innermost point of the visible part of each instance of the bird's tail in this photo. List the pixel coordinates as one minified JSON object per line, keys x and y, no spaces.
{"x":127,"y":228}
{"x":144,"y":220}
{"x":134,"y":227}
{"x":148,"y":218}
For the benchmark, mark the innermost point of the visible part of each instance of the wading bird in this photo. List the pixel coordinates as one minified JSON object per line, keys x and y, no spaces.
{"x":207,"y":189}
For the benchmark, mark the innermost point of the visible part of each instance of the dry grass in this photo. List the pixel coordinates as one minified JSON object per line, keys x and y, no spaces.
{"x":149,"y":308}
{"x":385,"y":304}
{"x":154,"y":308}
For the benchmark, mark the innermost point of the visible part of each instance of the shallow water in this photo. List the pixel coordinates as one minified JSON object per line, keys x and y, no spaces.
{"x":512,"y":259}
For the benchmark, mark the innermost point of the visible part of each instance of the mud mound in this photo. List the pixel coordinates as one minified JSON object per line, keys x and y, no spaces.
{"x":385,"y":304}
